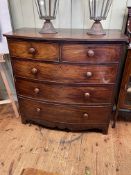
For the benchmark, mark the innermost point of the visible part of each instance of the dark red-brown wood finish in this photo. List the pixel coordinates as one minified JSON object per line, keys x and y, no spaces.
{"x":125,"y":86}
{"x":66,"y":80}
{"x":65,"y":73}
{"x":124,"y":100}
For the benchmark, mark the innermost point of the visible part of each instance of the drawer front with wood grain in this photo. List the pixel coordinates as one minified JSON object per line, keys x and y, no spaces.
{"x":64,"y":93}
{"x":84,"y":53}
{"x":63,"y":73}
{"x":31,"y":109}
{"x":34,"y":50}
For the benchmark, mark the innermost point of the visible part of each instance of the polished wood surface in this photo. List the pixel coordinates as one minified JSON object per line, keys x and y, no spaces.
{"x":91,"y":53}
{"x":64,"y":73}
{"x":125,"y":82}
{"x":64,"y":153}
{"x":34,"y":50}
{"x":69,"y":94}
{"x":65,"y":114}
{"x":67,"y":80}
{"x":124,"y":101}
{"x":78,"y":35}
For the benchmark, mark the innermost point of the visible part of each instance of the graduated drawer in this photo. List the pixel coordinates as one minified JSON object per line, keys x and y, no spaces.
{"x":84,"y":53}
{"x":34,"y":50}
{"x":72,"y":94}
{"x":64,"y":73}
{"x":31,"y":109}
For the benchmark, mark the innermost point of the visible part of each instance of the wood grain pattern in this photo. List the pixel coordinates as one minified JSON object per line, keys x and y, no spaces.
{"x":64,"y":73}
{"x":34,"y":50}
{"x":64,"y":153}
{"x":31,"y":171}
{"x":65,"y":94}
{"x":81,"y":53}
{"x":124,"y":101}
{"x":125,"y":82}
{"x":65,"y":114}
{"x":76,"y":95}
{"x":78,"y":35}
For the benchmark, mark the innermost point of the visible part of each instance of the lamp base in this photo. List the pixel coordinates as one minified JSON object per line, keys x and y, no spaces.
{"x":48,"y":28}
{"x":96,"y":29}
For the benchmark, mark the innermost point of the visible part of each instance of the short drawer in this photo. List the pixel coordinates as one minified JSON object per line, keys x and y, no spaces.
{"x":84,"y":53}
{"x":63,"y":73}
{"x":31,"y":109}
{"x":72,"y":94}
{"x":34,"y":50}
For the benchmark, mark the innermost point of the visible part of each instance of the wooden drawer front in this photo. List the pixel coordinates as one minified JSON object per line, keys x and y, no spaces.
{"x":34,"y":50}
{"x":66,"y":73}
{"x":65,"y":94}
{"x":91,"y":53}
{"x":63,"y":113}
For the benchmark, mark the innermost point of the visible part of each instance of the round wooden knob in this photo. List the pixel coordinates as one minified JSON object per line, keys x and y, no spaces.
{"x":36,"y":90}
{"x":87,"y":94}
{"x":32,"y":50}
{"x":34,"y":71}
{"x":91,"y":53}
{"x":38,"y":110}
{"x":86,"y":115}
{"x":89,"y":74}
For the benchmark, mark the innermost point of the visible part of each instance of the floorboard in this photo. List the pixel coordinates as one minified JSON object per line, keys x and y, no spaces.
{"x":66,"y":153}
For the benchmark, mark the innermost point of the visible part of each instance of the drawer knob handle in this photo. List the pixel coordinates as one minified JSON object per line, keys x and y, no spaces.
{"x":32,"y":50}
{"x":87,"y":94}
{"x":86,"y":115}
{"x":89,"y":74}
{"x":36,"y":90}
{"x":34,"y":71}
{"x":38,"y":110}
{"x":91,"y":53}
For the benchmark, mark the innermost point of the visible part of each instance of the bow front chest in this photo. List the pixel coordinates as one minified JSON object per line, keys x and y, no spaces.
{"x":67,"y":80}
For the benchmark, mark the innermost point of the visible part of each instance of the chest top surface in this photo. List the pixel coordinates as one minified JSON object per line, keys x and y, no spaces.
{"x":68,"y":35}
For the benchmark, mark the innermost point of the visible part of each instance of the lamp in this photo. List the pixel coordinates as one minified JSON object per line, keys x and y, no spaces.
{"x":98,"y":11}
{"x":47,"y":10}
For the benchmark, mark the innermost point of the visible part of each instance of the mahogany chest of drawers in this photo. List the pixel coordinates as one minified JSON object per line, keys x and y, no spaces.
{"x":66,"y":80}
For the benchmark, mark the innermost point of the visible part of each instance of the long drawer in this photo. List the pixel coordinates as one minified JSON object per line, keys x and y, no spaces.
{"x":31,"y":109}
{"x":34,"y":50}
{"x":64,"y":93}
{"x":85,"y":53}
{"x":65,"y":73}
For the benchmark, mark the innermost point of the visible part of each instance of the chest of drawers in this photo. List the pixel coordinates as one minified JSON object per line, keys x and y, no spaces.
{"x":67,"y":80}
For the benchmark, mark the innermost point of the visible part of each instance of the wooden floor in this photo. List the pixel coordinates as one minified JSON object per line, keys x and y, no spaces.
{"x":66,"y":153}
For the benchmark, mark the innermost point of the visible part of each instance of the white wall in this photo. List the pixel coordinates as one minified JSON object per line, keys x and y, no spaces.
{"x":129,"y":3}
{"x":5,"y":24}
{"x":24,"y":14}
